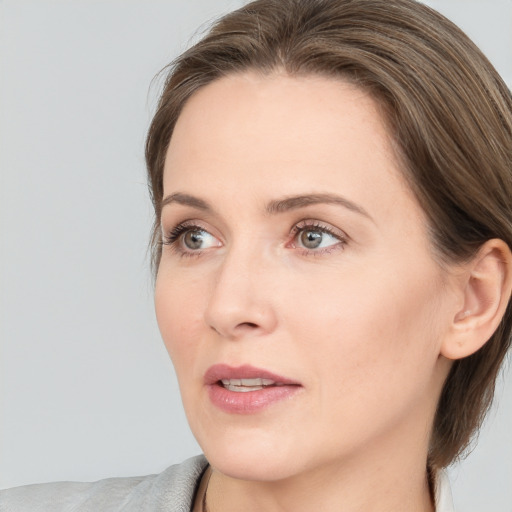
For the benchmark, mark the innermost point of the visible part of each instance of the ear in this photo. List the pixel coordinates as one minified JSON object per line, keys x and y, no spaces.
{"x":484,"y":289}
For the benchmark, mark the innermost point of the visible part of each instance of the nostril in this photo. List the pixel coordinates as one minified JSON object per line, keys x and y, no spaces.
{"x":248,"y":324}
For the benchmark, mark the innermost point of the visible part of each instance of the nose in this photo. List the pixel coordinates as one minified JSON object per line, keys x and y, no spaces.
{"x":240,"y":302}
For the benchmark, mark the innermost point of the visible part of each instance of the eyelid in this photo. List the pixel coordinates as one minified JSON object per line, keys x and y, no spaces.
{"x":320,"y":226}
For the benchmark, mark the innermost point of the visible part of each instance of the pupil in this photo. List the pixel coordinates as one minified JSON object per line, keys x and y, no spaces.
{"x":311,"y":239}
{"x":193,"y":240}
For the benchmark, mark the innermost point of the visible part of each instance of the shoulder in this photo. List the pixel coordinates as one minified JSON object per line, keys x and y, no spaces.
{"x":171,"y":491}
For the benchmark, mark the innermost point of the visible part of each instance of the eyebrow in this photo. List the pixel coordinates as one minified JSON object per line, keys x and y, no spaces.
{"x":296,"y":202}
{"x":275,"y":206}
{"x":186,"y":200}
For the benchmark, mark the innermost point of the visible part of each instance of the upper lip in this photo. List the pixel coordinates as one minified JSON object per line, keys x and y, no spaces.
{"x":217,"y":372}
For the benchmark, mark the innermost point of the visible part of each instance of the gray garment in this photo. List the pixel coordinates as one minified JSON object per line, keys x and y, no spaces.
{"x":170,"y":491}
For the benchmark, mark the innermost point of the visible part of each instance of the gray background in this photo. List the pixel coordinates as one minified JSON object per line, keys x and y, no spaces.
{"x":86,"y":387}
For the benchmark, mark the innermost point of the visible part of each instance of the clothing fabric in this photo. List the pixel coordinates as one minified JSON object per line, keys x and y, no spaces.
{"x":443,"y":493}
{"x":173,"y":490}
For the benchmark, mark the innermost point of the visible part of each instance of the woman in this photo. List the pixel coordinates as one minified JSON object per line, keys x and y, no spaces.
{"x":331,"y":182}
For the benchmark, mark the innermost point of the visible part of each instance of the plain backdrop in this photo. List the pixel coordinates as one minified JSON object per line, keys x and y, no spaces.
{"x":86,"y":387}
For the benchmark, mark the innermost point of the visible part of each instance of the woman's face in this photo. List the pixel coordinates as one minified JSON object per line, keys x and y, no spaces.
{"x":297,"y":294}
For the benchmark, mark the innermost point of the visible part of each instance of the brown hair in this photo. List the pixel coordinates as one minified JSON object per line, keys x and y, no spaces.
{"x":450,"y":115}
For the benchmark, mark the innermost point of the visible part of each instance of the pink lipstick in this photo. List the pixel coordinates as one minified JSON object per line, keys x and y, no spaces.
{"x":246,"y":389}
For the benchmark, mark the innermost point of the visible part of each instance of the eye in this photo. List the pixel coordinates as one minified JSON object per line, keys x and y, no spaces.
{"x":315,"y":237}
{"x":197,"y":239}
{"x":190,"y":238}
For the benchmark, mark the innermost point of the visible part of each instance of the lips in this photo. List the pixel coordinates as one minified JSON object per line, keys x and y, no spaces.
{"x":246,"y":389}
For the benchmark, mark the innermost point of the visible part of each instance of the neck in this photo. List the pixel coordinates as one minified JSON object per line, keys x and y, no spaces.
{"x":395,"y":481}
{"x":337,"y":492}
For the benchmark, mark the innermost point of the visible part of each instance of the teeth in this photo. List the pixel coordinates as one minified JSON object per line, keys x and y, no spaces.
{"x":245,"y":385}
{"x":243,"y":389}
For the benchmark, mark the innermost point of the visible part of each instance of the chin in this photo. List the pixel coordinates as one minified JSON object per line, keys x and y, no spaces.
{"x":251,"y":455}
{"x":251,"y":466}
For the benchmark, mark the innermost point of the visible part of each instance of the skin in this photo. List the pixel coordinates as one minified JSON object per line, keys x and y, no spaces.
{"x":359,"y":322}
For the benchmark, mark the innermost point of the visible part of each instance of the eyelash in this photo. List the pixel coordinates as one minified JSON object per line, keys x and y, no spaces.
{"x":173,"y":238}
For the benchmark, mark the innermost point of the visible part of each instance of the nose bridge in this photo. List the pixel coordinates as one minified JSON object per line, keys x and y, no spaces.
{"x":240,"y":299}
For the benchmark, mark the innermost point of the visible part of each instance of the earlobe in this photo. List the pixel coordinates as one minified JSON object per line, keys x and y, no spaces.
{"x":485,"y":289}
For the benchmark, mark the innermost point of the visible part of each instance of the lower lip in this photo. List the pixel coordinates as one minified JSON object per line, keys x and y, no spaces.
{"x":249,"y":402}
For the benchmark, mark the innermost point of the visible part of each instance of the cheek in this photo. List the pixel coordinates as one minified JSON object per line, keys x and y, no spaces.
{"x":366,"y":332}
{"x":177,"y":307}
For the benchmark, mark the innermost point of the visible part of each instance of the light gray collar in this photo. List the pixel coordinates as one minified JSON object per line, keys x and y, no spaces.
{"x":443,"y":493}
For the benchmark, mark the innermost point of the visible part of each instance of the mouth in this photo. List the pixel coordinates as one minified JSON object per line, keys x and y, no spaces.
{"x":246,"y":389}
{"x":244,"y":378}
{"x":246,"y":385}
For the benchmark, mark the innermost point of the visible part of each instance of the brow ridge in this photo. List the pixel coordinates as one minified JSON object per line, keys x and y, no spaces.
{"x":275,"y":206}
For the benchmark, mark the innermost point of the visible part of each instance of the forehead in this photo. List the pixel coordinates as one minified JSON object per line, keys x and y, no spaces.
{"x":266,"y":134}
{"x":289,"y":110}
